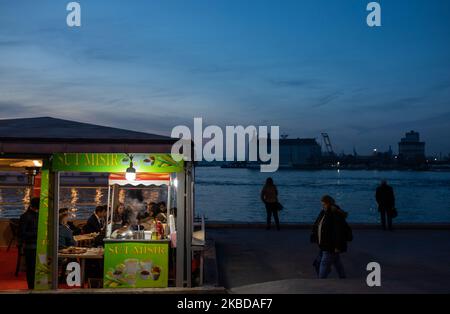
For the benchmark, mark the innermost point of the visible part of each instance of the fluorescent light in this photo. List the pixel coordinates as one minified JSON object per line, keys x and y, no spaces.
{"x":37,"y":163}
{"x":130,"y":175}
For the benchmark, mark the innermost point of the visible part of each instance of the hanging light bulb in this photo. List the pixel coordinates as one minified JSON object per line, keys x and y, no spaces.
{"x":130,"y":174}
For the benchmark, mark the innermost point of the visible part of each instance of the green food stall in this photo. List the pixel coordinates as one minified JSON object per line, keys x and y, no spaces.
{"x":134,"y":261}
{"x":66,"y":146}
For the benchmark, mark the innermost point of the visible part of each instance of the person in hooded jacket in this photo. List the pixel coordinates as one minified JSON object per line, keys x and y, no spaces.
{"x":331,"y":232}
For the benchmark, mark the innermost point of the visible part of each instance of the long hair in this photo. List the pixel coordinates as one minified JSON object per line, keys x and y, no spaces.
{"x":328,"y":200}
{"x":269,"y":182}
{"x":63,"y":213}
{"x":331,"y":205}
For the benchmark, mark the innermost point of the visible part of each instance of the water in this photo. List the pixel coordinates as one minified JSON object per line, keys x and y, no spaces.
{"x":80,"y":200}
{"x":233,"y":195}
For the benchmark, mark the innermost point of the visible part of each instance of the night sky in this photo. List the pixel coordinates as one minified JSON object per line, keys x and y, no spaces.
{"x":308,"y":66}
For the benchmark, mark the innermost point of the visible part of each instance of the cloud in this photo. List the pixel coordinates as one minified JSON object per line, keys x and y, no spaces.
{"x":136,"y":121}
{"x":439,"y":120}
{"x":394,"y":105}
{"x":107,"y":55}
{"x":326,"y":99}
{"x":294,"y":83}
{"x":11,"y":43}
{"x":13,"y":109}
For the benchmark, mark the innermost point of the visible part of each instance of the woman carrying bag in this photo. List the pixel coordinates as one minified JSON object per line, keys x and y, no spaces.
{"x":269,"y":196}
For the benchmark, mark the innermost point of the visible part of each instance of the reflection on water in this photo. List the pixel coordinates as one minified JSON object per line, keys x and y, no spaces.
{"x":73,"y":197}
{"x":122,"y":196}
{"x":14,"y":201}
{"x":233,"y":195}
{"x":98,"y":196}
{"x":81,"y":201}
{"x":26,"y":197}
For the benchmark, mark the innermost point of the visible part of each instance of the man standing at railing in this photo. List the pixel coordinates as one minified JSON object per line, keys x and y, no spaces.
{"x":386,"y":204}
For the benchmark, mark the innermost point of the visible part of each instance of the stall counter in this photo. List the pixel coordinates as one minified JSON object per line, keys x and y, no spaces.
{"x":136,"y":263}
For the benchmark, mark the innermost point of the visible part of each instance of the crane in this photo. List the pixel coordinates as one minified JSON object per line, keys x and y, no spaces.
{"x":326,"y":140}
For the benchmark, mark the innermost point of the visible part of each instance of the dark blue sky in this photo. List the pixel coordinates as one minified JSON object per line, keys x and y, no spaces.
{"x":308,"y":66}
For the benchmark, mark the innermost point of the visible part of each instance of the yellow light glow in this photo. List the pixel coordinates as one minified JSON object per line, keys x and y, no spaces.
{"x":37,"y":163}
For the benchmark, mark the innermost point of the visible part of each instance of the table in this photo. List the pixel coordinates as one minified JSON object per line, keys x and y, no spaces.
{"x":91,"y":253}
{"x":85,"y":240}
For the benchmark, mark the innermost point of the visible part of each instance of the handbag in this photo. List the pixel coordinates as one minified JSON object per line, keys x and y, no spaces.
{"x":394,"y":212}
{"x":279,"y":206}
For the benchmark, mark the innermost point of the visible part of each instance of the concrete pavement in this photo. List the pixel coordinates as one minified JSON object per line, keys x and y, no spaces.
{"x":260,"y":261}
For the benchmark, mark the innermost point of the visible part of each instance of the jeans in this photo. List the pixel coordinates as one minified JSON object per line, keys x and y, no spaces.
{"x":30,"y":261}
{"x":272,"y":209}
{"x":323,"y":264}
{"x":386,"y":214}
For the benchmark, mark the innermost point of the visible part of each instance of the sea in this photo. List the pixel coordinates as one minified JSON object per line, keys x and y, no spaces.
{"x":233,"y":195}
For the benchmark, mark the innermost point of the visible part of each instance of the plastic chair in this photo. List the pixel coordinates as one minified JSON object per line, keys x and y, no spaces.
{"x":14,"y":226}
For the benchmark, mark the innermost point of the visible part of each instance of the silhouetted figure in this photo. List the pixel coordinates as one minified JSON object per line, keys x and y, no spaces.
{"x":331,"y":232}
{"x":386,"y":204}
{"x":269,"y":196}
{"x":28,"y":226}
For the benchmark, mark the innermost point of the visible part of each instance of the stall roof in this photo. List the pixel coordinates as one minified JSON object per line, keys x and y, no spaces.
{"x":46,"y":135}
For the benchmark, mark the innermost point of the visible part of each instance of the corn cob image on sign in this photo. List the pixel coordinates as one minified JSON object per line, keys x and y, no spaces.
{"x":136,"y":265}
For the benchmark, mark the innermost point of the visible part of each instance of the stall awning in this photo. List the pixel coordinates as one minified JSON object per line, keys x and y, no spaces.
{"x":46,"y":136}
{"x":145,"y":179}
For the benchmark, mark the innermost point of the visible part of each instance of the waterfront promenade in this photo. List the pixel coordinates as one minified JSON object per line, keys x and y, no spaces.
{"x":252,"y":260}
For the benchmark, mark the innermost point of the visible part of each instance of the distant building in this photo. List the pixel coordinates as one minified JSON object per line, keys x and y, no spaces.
{"x":411,"y":149}
{"x":299,"y":152}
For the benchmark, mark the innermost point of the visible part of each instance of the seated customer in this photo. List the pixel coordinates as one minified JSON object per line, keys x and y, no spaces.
{"x":75,"y":229}
{"x":65,"y":233}
{"x":95,"y":223}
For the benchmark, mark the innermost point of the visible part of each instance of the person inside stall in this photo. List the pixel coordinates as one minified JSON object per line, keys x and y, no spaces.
{"x":126,"y":220}
{"x":162,"y":214}
{"x":96,"y":223}
{"x":151,"y":207}
{"x":117,"y":216}
{"x":65,"y":233}
{"x":147,"y":218}
{"x":75,"y":229}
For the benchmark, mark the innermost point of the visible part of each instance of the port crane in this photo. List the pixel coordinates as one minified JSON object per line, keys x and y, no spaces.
{"x":327,"y":142}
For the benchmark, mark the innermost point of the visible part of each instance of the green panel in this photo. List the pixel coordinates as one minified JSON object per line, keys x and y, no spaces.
{"x":136,"y":264}
{"x":43,"y":274}
{"x":91,"y":162}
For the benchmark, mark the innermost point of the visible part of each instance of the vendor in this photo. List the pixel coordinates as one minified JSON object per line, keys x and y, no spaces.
{"x":162,"y":212}
{"x":126,"y":223}
{"x":65,"y":233}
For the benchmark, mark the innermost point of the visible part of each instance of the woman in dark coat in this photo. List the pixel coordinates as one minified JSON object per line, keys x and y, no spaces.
{"x":269,"y":196}
{"x":331,"y":232}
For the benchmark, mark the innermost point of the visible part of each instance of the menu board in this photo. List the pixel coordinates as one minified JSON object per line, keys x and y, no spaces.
{"x":136,"y":265}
